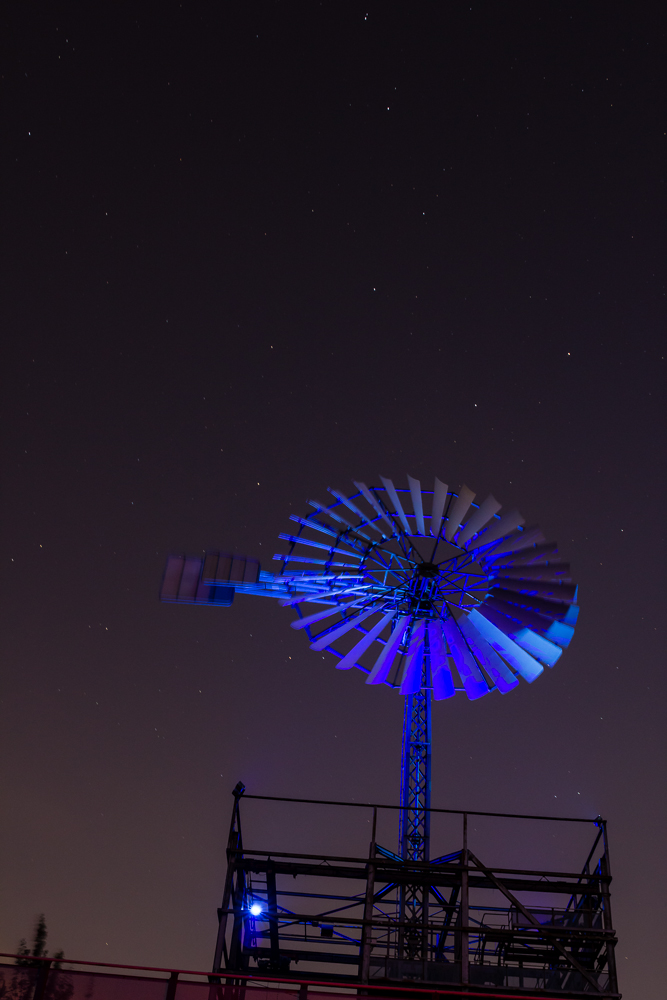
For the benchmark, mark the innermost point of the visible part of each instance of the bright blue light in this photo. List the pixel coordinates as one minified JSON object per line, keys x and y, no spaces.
{"x":256,"y":909}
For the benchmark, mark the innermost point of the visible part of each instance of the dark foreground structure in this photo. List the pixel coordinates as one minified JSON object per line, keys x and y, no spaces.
{"x":295,"y":924}
{"x":483,"y":929}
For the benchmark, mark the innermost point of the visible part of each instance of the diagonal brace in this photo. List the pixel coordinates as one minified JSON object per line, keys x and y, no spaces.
{"x":536,"y":924}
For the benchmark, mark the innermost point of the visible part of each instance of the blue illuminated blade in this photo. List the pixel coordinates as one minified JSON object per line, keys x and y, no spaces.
{"x":321,"y":509}
{"x":416,"y":494}
{"x":554,"y":591}
{"x":540,"y":605}
{"x":496,"y":668}
{"x":363,"y":489}
{"x":393,"y":496}
{"x":553,"y":572}
{"x":301,"y":540}
{"x":542,"y":644}
{"x":498,"y":529}
{"x":486,"y":510}
{"x":314,"y":595}
{"x":515,"y":614}
{"x":411,"y":680}
{"x":294,"y":558}
{"x":351,"y":658}
{"x":312,"y":522}
{"x":437,"y":510}
{"x":380,"y":671}
{"x":441,"y":676}
{"x":457,"y":511}
{"x":537,"y":555}
{"x":523,"y":662}
{"x":443,"y":685}
{"x":560,"y":633}
{"x":319,"y":615}
{"x":522,"y":540}
{"x":335,"y":633}
{"x":355,"y":510}
{"x":538,"y":646}
{"x":473,"y":680}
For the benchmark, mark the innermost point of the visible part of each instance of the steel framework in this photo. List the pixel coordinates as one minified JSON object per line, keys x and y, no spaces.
{"x":514,"y":929}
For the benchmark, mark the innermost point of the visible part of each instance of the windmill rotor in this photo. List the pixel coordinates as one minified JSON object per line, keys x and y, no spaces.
{"x":387,"y":579}
{"x":482,"y":597}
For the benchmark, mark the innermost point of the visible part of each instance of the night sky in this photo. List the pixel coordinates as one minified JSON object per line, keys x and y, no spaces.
{"x":253,"y":250}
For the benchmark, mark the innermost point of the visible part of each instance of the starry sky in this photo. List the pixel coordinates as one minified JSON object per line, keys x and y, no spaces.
{"x":250,"y":251}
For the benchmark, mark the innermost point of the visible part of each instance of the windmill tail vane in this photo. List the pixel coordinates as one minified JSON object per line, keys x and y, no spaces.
{"x":421,"y":590}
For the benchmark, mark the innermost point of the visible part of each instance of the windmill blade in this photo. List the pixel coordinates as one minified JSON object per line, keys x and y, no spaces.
{"x":294,"y":558}
{"x":496,"y":668}
{"x":555,"y":572}
{"x":457,"y":511}
{"x":522,"y":540}
{"x":332,"y":634}
{"x":312,"y":522}
{"x":380,"y":671}
{"x":324,"y":595}
{"x":505,"y":526}
{"x":321,"y":509}
{"x":540,"y":644}
{"x":539,"y":647}
{"x":473,"y":680}
{"x":320,"y":615}
{"x":523,"y":662}
{"x":560,"y":633}
{"x":515,"y":613}
{"x":538,"y":555}
{"x":486,"y":510}
{"x":411,"y":680}
{"x":441,"y":675}
{"x":301,"y":540}
{"x":351,"y":658}
{"x":416,"y":494}
{"x":437,"y":510}
{"x":558,"y":591}
{"x":550,"y":609}
{"x":363,"y":489}
{"x":393,"y":496}
{"x":443,"y":685}
{"x":355,"y":510}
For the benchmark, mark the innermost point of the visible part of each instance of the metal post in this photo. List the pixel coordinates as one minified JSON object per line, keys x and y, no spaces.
{"x":172,"y":983}
{"x":464,"y":909}
{"x":272,"y":899}
{"x":605,"y":869}
{"x":367,"y":929}
{"x":234,"y":843}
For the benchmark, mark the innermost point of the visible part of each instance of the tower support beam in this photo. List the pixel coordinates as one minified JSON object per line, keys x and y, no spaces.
{"x":415,"y":815}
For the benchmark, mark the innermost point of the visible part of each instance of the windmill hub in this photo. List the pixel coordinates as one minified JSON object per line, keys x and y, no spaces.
{"x":427,"y":570}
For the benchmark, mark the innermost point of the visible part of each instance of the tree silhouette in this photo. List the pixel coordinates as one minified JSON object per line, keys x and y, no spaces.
{"x":38,"y":947}
{"x":22,"y":984}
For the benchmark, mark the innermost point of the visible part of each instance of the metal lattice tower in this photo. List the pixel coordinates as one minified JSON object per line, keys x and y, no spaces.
{"x":415,"y":818}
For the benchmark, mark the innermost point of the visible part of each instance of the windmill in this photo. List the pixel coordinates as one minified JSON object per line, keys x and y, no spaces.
{"x":424,"y":591}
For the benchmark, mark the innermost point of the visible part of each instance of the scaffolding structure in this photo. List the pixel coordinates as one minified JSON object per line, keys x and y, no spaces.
{"x":452,"y":922}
